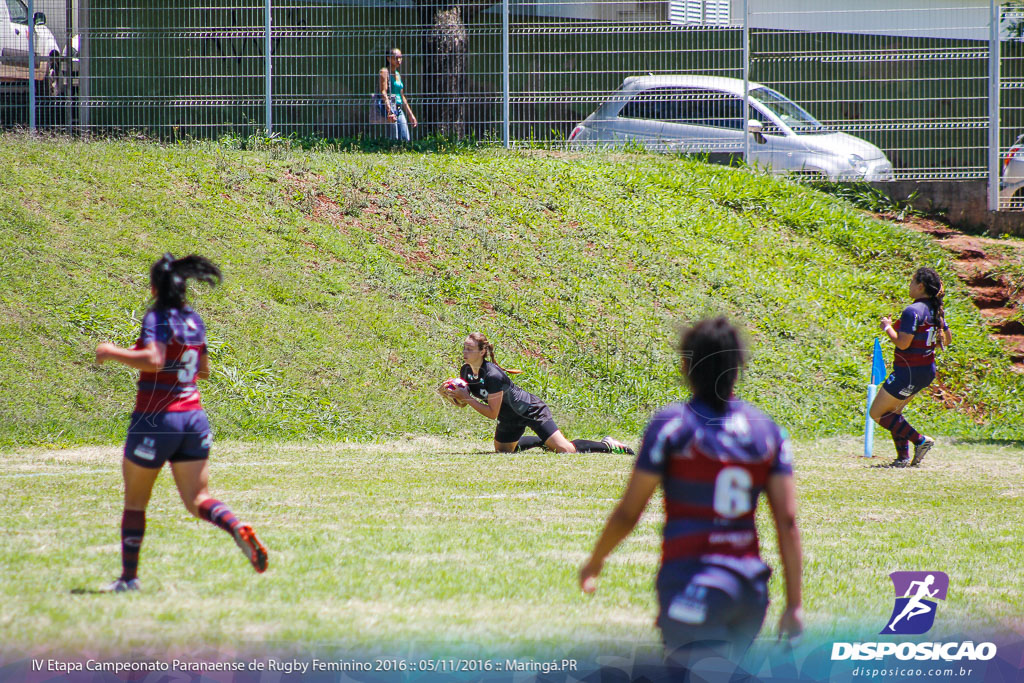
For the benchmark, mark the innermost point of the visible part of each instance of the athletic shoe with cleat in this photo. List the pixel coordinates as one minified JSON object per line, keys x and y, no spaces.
{"x":246,"y":539}
{"x":921,"y":450}
{"x":900,"y":462}
{"x":617,"y":446}
{"x":121,"y":586}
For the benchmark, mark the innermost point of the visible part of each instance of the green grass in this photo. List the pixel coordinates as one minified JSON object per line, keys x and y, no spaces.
{"x":438,"y":546}
{"x":352,"y":278}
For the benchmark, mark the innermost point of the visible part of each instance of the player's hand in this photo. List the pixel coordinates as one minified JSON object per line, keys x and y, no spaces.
{"x":103,"y":352}
{"x":461,"y":394}
{"x":588,"y":575}
{"x":413,"y":121}
{"x":791,"y":623}
{"x":392,"y":118}
{"x":885,"y":322}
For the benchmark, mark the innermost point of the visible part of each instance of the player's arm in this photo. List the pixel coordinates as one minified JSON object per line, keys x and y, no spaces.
{"x":947,"y":337}
{"x":621,"y":522}
{"x":150,"y":358}
{"x":489,"y":410}
{"x":781,"y":494}
{"x":204,"y":366}
{"x":902,"y":340}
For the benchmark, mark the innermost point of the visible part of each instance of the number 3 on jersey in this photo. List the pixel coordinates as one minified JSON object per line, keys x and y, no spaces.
{"x":190,"y":365}
{"x":732,"y":492}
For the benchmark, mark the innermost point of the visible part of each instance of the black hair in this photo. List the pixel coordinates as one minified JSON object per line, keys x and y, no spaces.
{"x":932,"y":283}
{"x":712,"y":355}
{"x":389,"y":52}
{"x":168,"y":277}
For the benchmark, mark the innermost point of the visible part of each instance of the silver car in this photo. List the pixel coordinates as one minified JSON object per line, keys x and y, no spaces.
{"x":704,"y":115}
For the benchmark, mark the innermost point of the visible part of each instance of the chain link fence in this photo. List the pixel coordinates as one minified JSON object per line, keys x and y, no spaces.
{"x":889,"y":89}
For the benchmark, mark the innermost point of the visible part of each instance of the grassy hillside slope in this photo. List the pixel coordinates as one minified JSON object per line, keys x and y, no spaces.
{"x":351,"y":280}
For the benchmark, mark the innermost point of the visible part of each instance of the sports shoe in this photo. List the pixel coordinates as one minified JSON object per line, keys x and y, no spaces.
{"x":921,"y":450}
{"x":617,"y":446}
{"x":121,"y":586}
{"x":900,"y":462}
{"x":246,"y":539}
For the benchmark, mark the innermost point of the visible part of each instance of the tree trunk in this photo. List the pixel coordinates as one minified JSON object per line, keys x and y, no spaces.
{"x":446,"y":53}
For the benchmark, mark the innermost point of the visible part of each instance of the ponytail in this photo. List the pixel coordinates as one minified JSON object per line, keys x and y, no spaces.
{"x":487,"y":347}
{"x":932,"y":283}
{"x":168,"y":276}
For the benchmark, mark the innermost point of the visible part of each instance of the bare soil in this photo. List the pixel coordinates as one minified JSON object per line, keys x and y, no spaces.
{"x":977,"y":261}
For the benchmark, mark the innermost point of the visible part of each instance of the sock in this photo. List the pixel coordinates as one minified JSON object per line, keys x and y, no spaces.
{"x":902,"y":447}
{"x":133,"y":528}
{"x":528,"y":442}
{"x":216,"y":512}
{"x":899,"y":427}
{"x":587,"y":446}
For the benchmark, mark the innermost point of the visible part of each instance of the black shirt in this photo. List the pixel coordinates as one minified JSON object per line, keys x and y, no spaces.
{"x":515,"y":402}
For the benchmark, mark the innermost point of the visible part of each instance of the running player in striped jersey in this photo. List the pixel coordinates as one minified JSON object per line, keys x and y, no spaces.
{"x":712,"y":456}
{"x":492,"y":394}
{"x":169,"y":423}
{"x":921,"y":326}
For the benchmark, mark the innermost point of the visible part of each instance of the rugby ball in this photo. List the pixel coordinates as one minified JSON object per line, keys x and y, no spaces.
{"x":448,"y":388}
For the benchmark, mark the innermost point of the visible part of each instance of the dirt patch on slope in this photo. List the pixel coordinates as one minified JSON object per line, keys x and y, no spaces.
{"x":979,"y":262}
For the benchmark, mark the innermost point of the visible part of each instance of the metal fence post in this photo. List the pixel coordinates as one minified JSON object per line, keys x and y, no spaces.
{"x":267,"y":65}
{"x":993,"y":106}
{"x":31,"y":67}
{"x":746,"y":80}
{"x":504,"y":75}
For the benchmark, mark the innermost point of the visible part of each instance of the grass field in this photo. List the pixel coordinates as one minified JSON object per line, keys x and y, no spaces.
{"x":440,"y":546}
{"x":351,"y":280}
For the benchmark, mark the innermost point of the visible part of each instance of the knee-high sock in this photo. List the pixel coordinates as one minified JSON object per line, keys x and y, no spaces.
{"x":527,"y":442}
{"x":587,"y":446}
{"x":902,"y":447}
{"x":133,"y":528}
{"x":216,"y":512}
{"x":899,"y":427}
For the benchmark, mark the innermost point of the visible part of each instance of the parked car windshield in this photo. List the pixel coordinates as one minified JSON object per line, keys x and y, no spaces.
{"x":789,"y":111}
{"x":17,"y":11}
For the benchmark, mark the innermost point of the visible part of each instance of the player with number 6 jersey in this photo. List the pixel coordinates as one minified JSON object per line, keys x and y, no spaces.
{"x":713,"y":456}
{"x":168,"y":424}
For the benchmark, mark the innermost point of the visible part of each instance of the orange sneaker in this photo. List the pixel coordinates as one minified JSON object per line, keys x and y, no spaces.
{"x":246,"y":539}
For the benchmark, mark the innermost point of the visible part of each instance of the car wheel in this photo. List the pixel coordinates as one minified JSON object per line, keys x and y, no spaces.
{"x":1017,"y":201}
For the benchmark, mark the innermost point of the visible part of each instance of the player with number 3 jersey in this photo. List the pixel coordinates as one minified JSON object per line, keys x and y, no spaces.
{"x":168,"y":424}
{"x":712,"y":456}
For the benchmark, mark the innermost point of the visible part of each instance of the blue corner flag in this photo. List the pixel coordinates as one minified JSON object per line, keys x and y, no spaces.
{"x":877,"y":377}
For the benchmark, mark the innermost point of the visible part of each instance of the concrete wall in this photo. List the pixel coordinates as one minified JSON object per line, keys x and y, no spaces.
{"x":963,"y":203}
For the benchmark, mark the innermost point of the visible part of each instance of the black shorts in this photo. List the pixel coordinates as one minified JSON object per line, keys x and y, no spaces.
{"x":511,"y":430}
{"x":156,"y":438}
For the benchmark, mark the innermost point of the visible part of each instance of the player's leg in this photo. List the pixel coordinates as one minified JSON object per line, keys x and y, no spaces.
{"x":507,"y":434}
{"x":191,"y":469}
{"x":145,"y":451}
{"x":887,"y":411}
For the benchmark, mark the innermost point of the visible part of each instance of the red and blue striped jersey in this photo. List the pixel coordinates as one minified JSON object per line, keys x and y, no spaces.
{"x":173,"y":388}
{"x":918,"y":319}
{"x":713,"y":467}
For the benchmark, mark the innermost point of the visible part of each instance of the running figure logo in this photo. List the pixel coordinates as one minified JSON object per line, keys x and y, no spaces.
{"x":914,"y":612}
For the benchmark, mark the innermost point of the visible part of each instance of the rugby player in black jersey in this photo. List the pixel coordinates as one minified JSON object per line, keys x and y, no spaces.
{"x":491,"y":393}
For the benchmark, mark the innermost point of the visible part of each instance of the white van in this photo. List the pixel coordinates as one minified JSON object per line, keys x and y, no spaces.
{"x":14,"y":27}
